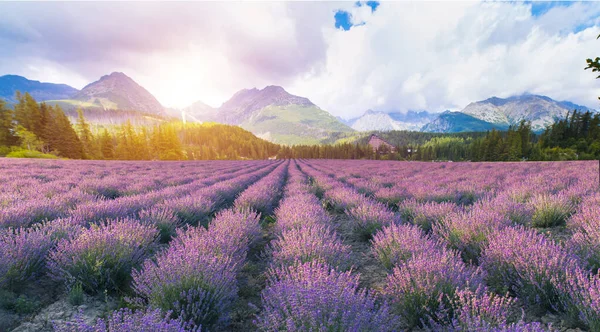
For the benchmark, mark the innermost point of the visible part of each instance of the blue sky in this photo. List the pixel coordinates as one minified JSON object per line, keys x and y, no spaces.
{"x":346,"y":57}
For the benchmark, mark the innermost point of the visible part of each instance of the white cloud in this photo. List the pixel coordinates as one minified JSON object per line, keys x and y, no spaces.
{"x":407,"y":55}
{"x":439,"y":56}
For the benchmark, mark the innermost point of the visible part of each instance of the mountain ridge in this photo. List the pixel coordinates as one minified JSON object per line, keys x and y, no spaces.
{"x":41,"y":91}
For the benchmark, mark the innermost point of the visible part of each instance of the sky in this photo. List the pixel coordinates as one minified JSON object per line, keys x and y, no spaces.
{"x":346,"y":57}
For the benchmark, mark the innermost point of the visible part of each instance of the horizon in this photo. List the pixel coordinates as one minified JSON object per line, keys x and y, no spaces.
{"x":346,"y":57}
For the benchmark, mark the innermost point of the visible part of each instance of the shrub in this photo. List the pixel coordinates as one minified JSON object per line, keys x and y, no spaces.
{"x":425,"y":284}
{"x":192,"y":209}
{"x":550,"y":210}
{"x":30,"y":154}
{"x":395,"y":244}
{"x":196,"y":276}
{"x":101,"y":258}
{"x":425,"y":214}
{"x":238,"y":229}
{"x":368,"y":217}
{"x":314,"y":297}
{"x":525,"y":264}
{"x":76,"y":294}
{"x":300,"y":210}
{"x":316,"y":243}
{"x":480,"y":310}
{"x":163,"y":219}
{"x":468,"y":231}
{"x":23,"y":254}
{"x":580,"y":294}
{"x":586,"y":238}
{"x":127,"y":320}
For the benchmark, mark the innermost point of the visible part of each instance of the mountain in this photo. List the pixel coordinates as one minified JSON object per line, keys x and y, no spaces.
{"x":456,"y":122}
{"x":118,"y":91}
{"x":276,"y":115}
{"x":381,"y":121}
{"x":246,"y":102}
{"x":541,"y":111}
{"x":9,"y":84}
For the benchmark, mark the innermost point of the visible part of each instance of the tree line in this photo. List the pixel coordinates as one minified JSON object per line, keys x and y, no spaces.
{"x":45,"y":129}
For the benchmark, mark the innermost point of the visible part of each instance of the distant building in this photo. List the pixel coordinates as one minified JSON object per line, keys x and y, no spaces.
{"x":378,"y":143}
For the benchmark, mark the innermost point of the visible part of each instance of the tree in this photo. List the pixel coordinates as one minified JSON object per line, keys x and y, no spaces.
{"x":28,"y":139}
{"x":7,"y":137}
{"x":90,"y":149}
{"x":107,"y":146}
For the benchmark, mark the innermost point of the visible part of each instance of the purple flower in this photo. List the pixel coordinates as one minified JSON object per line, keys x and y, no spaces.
{"x":101,"y":258}
{"x":314,"y":297}
{"x":311,"y":243}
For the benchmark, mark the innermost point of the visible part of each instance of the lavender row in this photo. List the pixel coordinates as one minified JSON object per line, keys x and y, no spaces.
{"x":307,"y":288}
{"x":87,"y":207}
{"x":366,"y":215}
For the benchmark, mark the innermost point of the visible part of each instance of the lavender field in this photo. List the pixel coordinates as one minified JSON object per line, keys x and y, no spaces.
{"x":299,"y":245}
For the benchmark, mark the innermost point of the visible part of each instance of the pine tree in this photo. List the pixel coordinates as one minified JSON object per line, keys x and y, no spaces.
{"x":7,"y":137}
{"x":106,"y":143}
{"x":90,"y":149}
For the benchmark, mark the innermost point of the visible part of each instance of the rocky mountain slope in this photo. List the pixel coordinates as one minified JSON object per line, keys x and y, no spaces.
{"x":456,"y":122}
{"x":541,"y":111}
{"x":119,"y":91}
{"x":276,"y":115}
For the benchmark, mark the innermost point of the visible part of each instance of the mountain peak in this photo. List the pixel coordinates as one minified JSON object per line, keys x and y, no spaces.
{"x":119,"y":91}
{"x":247,"y":101}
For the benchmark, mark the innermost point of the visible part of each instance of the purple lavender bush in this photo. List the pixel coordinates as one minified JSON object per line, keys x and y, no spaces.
{"x":480,"y":310}
{"x":23,"y":254}
{"x":420,"y":288}
{"x":580,"y":295}
{"x":126,"y":320}
{"x":526,"y":265}
{"x":162,"y":219}
{"x":102,"y":257}
{"x":314,"y":297}
{"x":395,"y":244}
{"x":368,"y":217}
{"x":425,"y":214}
{"x":194,"y":209}
{"x":468,"y":231}
{"x":586,"y":237}
{"x":297,"y":211}
{"x":311,"y":243}
{"x":195,"y":278}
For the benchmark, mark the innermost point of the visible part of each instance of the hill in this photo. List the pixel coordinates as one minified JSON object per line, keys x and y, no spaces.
{"x":10,"y":84}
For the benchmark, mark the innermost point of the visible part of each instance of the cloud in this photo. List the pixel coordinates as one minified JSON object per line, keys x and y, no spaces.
{"x":388,"y":56}
{"x":439,"y":56}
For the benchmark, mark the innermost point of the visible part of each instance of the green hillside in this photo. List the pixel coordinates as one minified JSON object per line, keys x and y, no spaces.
{"x":294,"y":124}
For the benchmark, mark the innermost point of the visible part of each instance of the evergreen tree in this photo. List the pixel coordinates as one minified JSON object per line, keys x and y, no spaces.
{"x":7,"y":137}
{"x":90,"y":149}
{"x":107,"y":147}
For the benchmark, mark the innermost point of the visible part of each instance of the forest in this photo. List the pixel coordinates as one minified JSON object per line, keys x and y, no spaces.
{"x":39,"y":130}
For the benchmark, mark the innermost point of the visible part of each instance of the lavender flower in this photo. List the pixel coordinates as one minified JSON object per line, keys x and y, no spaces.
{"x":426,"y":283}
{"x":101,"y":258}
{"x":368,"y":217}
{"x":526,"y":264}
{"x":395,"y":244}
{"x":311,"y":243}
{"x":313,"y":297}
